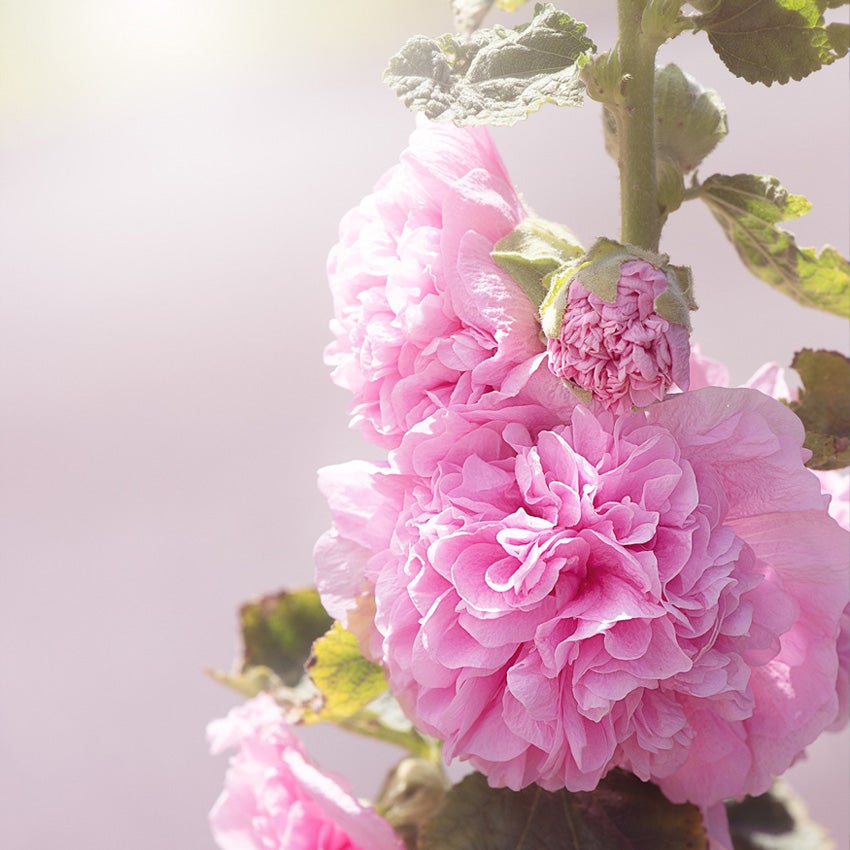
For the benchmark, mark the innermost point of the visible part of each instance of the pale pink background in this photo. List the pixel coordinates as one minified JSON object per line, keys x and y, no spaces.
{"x":171,"y":177}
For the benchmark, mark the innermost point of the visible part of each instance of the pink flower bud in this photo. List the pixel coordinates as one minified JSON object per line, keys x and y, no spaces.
{"x":623,"y":352}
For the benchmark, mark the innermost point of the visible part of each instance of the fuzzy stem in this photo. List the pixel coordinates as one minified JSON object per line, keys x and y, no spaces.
{"x":641,"y":218}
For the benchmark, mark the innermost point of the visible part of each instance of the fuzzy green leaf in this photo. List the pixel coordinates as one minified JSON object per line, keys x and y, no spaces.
{"x":776,"y":820}
{"x":770,"y":41}
{"x":823,"y":405}
{"x":748,"y":207}
{"x":623,"y":813}
{"x":532,"y":251}
{"x":348,"y":681}
{"x":496,"y":76}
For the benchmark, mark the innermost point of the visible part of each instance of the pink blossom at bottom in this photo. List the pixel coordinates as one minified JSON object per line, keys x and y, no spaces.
{"x":275,"y":799}
{"x":622,"y":352}
{"x":658,"y":591}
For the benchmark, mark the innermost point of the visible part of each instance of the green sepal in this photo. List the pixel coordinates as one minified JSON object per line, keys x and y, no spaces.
{"x":771,"y":41}
{"x":662,"y":20}
{"x":532,"y":251}
{"x":599,"y":272}
{"x":411,"y":794}
{"x":677,"y":301}
{"x":496,"y":75}
{"x":623,"y":813}
{"x":748,"y":207}
{"x":823,"y":405}
{"x":776,"y":820}
{"x":604,"y":80}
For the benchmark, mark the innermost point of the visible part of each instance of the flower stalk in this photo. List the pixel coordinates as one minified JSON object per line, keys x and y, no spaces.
{"x":641,"y":220}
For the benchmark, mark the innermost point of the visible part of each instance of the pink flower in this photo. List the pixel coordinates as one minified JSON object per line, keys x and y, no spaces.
{"x":275,"y":799}
{"x":424,"y":318}
{"x":771,"y":380}
{"x":622,"y":352}
{"x":659,"y":591}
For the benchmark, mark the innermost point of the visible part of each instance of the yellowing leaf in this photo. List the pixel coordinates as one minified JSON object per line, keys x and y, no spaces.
{"x":748,"y":207}
{"x":348,"y":681}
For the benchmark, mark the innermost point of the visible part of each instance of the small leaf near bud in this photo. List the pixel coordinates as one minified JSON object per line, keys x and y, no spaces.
{"x":662,"y":20}
{"x":532,"y":251}
{"x":677,"y":301}
{"x":603,"y":78}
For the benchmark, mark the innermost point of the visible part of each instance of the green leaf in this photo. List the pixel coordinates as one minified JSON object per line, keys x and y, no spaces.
{"x":352,"y":692}
{"x":776,"y":820}
{"x":748,"y":207}
{"x":823,"y":405}
{"x":532,"y":251}
{"x":623,"y":813}
{"x":497,"y":76}
{"x":278,"y":631}
{"x":839,"y":38}
{"x":770,"y":41}
{"x":348,"y":681}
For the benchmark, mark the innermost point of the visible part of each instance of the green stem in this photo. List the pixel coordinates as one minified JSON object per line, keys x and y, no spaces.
{"x":641,"y":217}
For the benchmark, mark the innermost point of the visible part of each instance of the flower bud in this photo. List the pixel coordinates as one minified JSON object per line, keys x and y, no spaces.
{"x":622,"y":332}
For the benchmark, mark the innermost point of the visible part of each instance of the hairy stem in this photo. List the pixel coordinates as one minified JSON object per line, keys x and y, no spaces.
{"x":640,"y":215}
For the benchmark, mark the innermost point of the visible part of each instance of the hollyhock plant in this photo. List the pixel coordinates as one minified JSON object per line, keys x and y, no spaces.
{"x":622,"y":352}
{"x":423,"y":316}
{"x":638,"y":591}
{"x":275,"y":799}
{"x":584,"y":562}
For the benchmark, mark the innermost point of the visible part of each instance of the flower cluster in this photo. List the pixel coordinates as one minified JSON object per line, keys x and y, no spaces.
{"x":557,"y":588}
{"x":275,"y":799}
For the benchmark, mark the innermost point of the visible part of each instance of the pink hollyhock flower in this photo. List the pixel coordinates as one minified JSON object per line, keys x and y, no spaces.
{"x":770,"y":379}
{"x":623,"y":352}
{"x":424,"y":318}
{"x":275,"y":799}
{"x":658,"y":591}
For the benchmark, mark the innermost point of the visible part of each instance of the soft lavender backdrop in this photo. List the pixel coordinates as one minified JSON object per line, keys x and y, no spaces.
{"x":171,"y":176}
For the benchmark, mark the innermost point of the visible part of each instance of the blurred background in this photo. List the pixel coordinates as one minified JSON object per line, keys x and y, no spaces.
{"x":171,"y":177}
